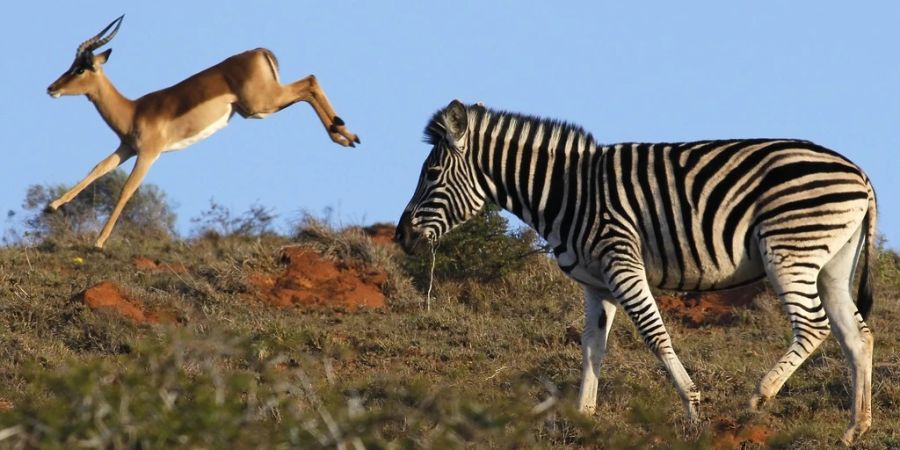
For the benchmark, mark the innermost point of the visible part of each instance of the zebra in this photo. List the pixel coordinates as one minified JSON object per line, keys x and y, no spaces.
{"x":691,"y":216}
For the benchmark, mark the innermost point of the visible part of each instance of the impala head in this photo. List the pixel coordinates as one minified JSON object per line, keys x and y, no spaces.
{"x":83,"y":74}
{"x":448,"y":193}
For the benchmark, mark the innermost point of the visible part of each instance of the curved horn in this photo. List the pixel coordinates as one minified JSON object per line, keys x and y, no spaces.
{"x":95,"y":42}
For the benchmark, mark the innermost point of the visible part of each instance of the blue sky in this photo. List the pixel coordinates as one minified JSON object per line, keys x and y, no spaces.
{"x":626,"y":71}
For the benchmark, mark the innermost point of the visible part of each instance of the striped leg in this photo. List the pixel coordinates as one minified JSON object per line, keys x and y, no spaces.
{"x":599,"y":312}
{"x":629,"y":286}
{"x":795,"y":283}
{"x":851,"y":332}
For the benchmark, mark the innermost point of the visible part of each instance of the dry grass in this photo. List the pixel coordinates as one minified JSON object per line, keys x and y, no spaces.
{"x":468,"y":374}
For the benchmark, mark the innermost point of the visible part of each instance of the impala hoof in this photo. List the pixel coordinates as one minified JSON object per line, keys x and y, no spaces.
{"x":356,"y":139}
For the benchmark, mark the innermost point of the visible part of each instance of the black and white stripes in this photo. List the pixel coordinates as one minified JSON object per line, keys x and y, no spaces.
{"x":687,"y":216}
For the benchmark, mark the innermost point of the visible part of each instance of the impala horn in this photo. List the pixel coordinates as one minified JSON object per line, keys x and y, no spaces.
{"x":96,"y":42}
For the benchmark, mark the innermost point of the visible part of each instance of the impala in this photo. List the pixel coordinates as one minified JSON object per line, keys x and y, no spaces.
{"x":178,"y":116}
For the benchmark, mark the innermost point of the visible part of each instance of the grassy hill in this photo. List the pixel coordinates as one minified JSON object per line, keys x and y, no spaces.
{"x":494,"y":363}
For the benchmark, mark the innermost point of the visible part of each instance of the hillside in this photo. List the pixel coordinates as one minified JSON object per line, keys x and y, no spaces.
{"x":322,"y":340}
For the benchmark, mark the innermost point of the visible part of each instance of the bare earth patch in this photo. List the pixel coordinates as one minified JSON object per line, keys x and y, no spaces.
{"x":709,"y":308}
{"x":731,"y":435}
{"x":309,"y":280}
{"x":381,"y":233}
{"x":145,"y":264}
{"x":5,"y":405}
{"x":109,"y":296}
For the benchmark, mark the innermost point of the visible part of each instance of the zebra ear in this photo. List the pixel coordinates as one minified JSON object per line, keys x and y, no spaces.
{"x":456,"y":119}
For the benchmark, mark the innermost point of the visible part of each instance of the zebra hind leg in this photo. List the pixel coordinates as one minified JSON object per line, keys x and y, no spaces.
{"x":599,"y":312}
{"x":851,"y":332}
{"x":794,"y":280}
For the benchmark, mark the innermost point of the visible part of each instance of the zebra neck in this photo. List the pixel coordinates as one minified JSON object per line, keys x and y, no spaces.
{"x":536,"y":169}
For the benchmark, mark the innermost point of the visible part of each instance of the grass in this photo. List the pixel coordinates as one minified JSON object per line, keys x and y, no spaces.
{"x":492,"y":365}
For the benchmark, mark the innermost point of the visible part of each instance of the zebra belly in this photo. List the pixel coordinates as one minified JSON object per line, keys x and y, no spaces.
{"x":705,"y":276}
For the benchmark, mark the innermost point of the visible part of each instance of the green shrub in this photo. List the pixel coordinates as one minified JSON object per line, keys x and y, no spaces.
{"x":481,"y":249}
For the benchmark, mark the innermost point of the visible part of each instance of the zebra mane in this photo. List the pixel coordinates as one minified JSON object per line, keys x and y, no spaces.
{"x":436,"y":129}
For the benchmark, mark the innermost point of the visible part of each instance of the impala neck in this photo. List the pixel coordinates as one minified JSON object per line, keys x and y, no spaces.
{"x":116,"y":110}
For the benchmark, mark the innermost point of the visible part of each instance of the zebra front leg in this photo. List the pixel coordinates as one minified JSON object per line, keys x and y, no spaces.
{"x":631,"y":290}
{"x":599,"y":312}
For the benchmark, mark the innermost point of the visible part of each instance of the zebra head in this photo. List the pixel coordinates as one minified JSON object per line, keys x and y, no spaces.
{"x":448,"y":193}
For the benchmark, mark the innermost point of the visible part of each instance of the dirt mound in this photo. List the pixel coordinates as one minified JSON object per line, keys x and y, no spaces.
{"x":145,"y":264}
{"x":730,"y":435}
{"x":709,"y":308}
{"x":310,"y":280}
{"x":381,"y":233}
{"x":107,"y":295}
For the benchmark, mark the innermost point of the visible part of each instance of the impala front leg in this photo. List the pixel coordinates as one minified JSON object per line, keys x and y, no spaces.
{"x":141,"y":166}
{"x":122,"y":154}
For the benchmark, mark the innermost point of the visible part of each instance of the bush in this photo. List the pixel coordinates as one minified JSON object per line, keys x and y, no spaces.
{"x":147,"y":214}
{"x":218,"y":221}
{"x":481,"y":249}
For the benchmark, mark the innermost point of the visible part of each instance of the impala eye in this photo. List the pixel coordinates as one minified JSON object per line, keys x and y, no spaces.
{"x":79,"y":71}
{"x":433,"y":173}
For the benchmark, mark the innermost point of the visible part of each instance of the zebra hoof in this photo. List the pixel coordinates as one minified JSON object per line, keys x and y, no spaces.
{"x":855,"y":431}
{"x":757,"y":401}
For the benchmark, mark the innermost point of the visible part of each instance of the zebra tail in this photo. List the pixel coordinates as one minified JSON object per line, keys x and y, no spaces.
{"x":865,"y":296}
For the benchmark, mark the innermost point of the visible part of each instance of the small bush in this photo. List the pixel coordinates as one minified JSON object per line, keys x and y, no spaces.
{"x":218,"y":220}
{"x":481,"y":249}
{"x":147,"y":215}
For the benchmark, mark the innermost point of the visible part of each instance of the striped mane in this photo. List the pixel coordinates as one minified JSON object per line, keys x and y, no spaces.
{"x":436,"y":129}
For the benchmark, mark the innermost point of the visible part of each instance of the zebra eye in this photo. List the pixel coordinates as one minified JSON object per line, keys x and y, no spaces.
{"x":433,"y":173}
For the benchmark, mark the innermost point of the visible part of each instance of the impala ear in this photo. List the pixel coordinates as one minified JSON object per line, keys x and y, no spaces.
{"x":101,"y":58}
{"x":456,"y":119}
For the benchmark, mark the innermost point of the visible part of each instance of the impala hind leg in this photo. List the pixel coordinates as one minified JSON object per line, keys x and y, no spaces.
{"x":599,"y":312}
{"x":851,"y":332}
{"x":141,"y":166}
{"x":122,"y":154}
{"x":277,"y":97}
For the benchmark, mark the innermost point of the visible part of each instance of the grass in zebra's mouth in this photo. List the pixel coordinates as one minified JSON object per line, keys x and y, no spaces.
{"x":470,"y":373}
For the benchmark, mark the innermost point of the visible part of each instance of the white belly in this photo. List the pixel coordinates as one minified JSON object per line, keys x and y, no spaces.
{"x":203,"y":134}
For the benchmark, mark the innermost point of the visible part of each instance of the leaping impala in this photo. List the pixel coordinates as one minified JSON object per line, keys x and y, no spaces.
{"x":180,"y":115}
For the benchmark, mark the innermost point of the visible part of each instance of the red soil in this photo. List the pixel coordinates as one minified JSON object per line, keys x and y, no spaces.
{"x":381,"y":233}
{"x":730,"y":435}
{"x":709,"y":308}
{"x":108,"y":296}
{"x":311,"y":280}
{"x":148,"y":265}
